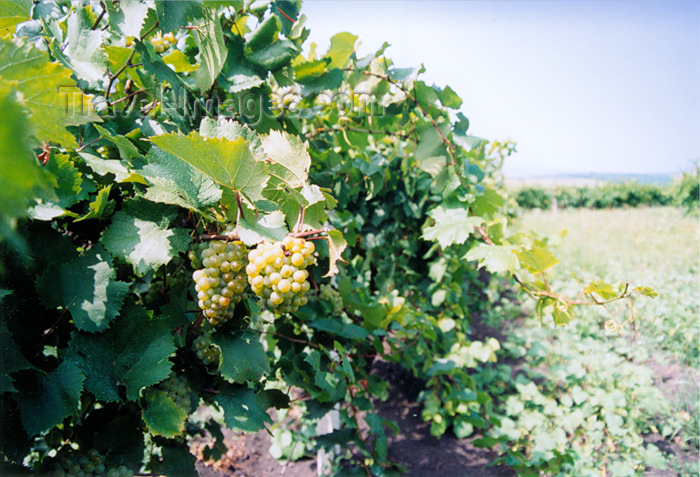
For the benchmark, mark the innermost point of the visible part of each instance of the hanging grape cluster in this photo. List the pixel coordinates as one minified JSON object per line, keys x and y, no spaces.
{"x":329,"y":294}
{"x":205,"y":350}
{"x":177,"y":389}
{"x":219,"y":277}
{"x":277,"y":273}
{"x":91,"y":464}
{"x":163,"y":43}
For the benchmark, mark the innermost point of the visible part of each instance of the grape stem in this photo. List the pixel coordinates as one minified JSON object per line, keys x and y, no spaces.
{"x":235,"y":236}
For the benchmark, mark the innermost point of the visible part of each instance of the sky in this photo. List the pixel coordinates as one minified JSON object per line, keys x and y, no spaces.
{"x":585,"y":86}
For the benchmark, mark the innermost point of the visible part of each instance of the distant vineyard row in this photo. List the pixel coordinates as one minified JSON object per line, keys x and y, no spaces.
{"x":684,"y":192}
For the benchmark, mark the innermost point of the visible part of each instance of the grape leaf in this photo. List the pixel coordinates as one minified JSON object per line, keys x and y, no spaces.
{"x":243,"y":408}
{"x":126,"y":148}
{"x":230,"y":163}
{"x":453,"y":224}
{"x":177,"y":462}
{"x":61,"y":387}
{"x":12,"y":360}
{"x":242,"y":357}
{"x":128,"y":17}
{"x":212,"y":50}
{"x":12,"y":13}
{"x":264,"y":35}
{"x":266,"y":227}
{"x":342,"y":47}
{"x":111,"y":166}
{"x":94,"y":356}
{"x":144,"y":244}
{"x":83,"y":52}
{"x":287,"y":157}
{"x":46,"y":89}
{"x":22,"y":178}
{"x":89,"y":290}
{"x":68,"y":179}
{"x":124,"y":354}
{"x":173,"y":15}
{"x":179,"y":62}
{"x":176,"y":182}
{"x":496,"y":258}
{"x":537,"y":259}
{"x":602,"y":288}
{"x":162,"y":416}
{"x":100,"y":206}
{"x":275,"y":56}
{"x":336,"y":246}
{"x":487,"y":204}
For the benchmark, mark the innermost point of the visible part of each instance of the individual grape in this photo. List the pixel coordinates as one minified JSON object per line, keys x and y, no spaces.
{"x":277,"y":273}
{"x":219,"y":277}
{"x":205,"y":350}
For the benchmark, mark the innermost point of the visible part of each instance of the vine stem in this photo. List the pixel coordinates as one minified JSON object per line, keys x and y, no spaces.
{"x":99,"y":18}
{"x":127,"y":62}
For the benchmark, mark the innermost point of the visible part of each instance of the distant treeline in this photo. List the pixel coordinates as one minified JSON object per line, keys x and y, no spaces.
{"x":684,"y":192}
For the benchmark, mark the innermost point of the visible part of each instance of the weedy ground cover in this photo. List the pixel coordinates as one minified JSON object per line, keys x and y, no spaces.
{"x":582,"y":400}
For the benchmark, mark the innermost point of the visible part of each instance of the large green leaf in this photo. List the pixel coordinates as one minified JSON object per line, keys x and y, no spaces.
{"x":126,"y":148}
{"x":495,"y":258}
{"x":12,"y":360}
{"x":14,"y":12}
{"x":453,"y":224}
{"x":173,"y":15}
{"x":212,"y":50}
{"x":47,"y":400}
{"x":275,"y":56}
{"x":176,"y":182}
{"x":89,"y":290}
{"x":22,"y":178}
{"x":244,"y":409}
{"x":46,"y":89}
{"x":230,"y":163}
{"x":537,"y":259}
{"x":342,"y":47}
{"x":68,"y":179}
{"x":144,"y":243}
{"x":162,"y":416}
{"x":134,"y":353}
{"x":242,"y":357}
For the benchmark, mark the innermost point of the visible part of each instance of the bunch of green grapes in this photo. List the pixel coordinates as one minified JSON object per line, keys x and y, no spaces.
{"x":329,"y":294}
{"x":90,"y":464}
{"x":206,"y":351}
{"x":178,"y":390}
{"x":285,"y":98}
{"x":277,"y":273}
{"x":163,"y":43}
{"x":219,"y":277}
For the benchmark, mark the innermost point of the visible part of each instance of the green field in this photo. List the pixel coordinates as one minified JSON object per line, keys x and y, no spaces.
{"x":587,"y":401}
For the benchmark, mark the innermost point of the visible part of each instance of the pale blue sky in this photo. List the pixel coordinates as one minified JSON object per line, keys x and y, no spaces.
{"x":588,"y":86}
